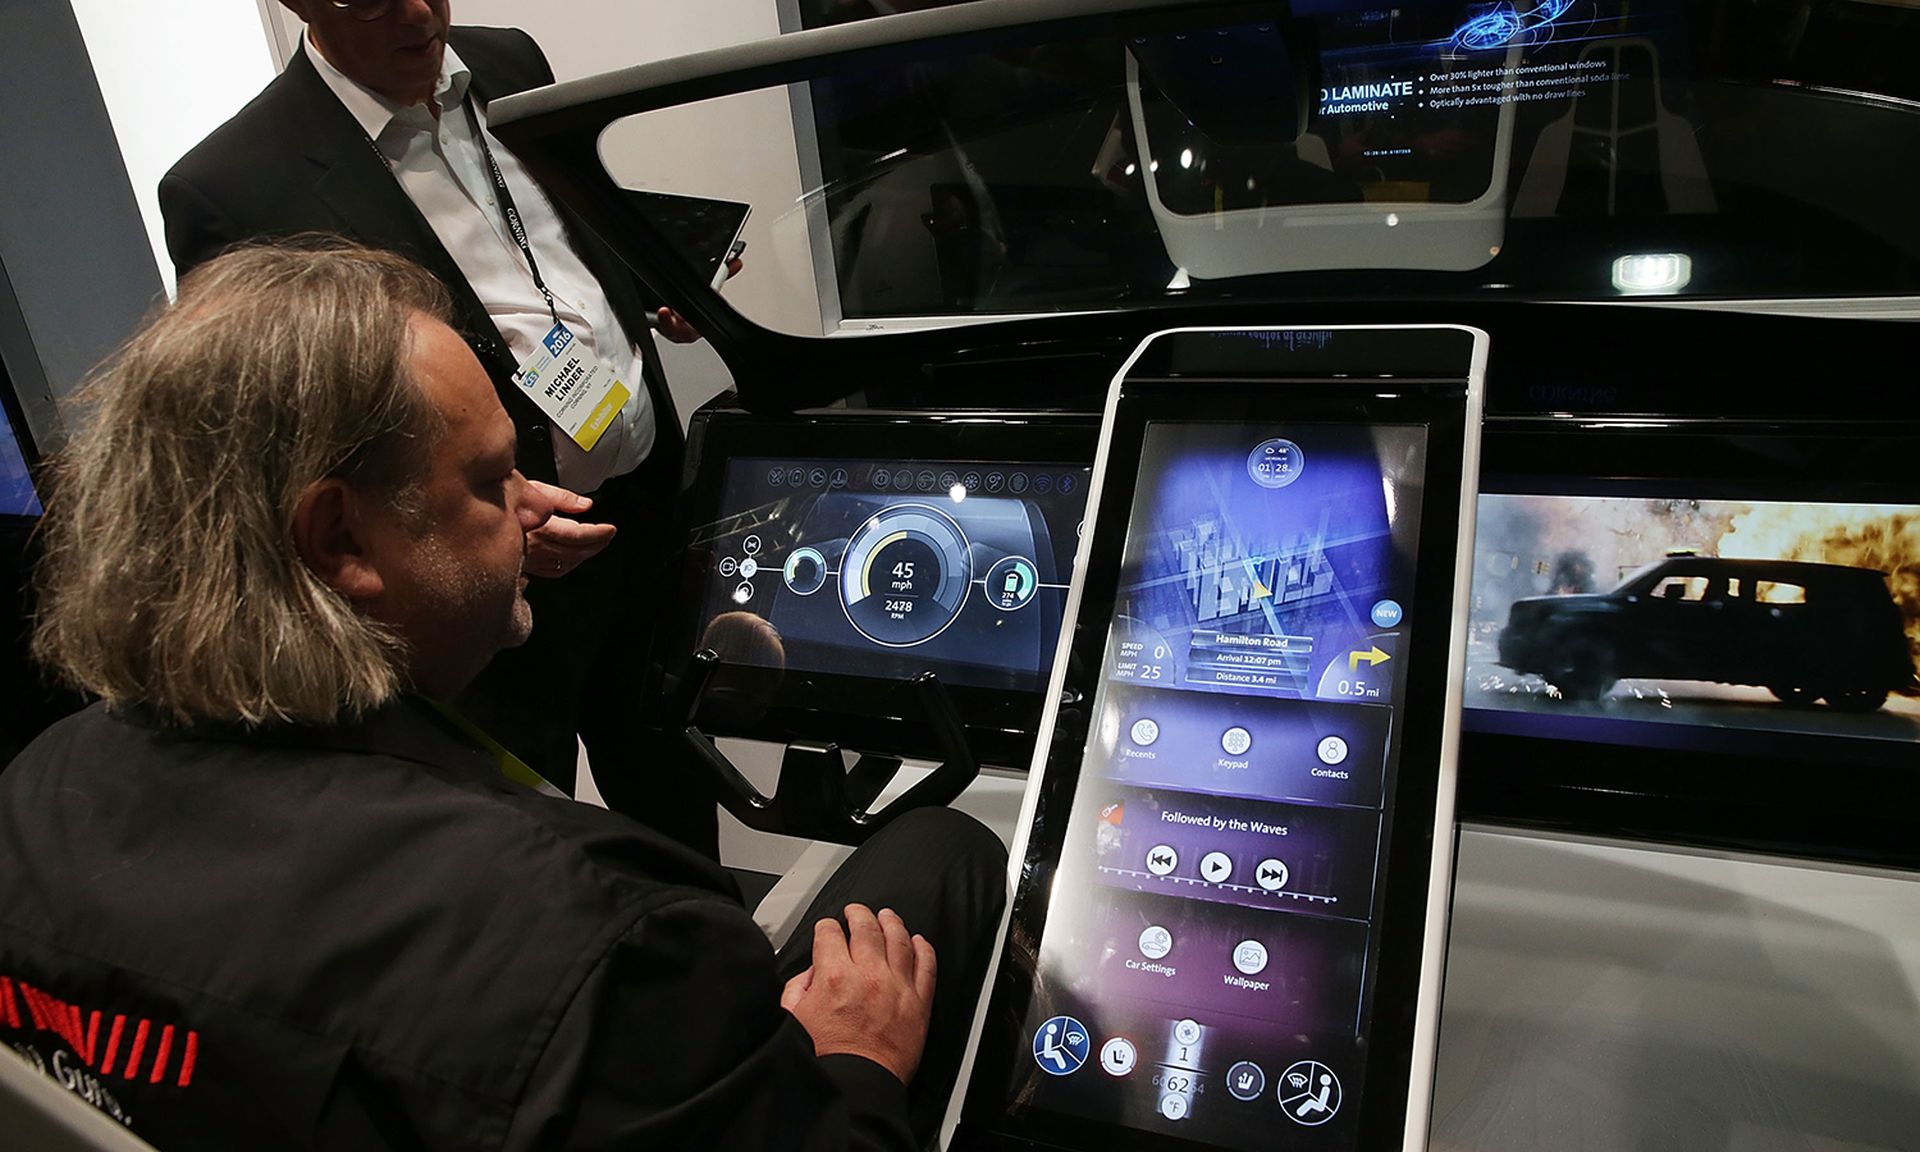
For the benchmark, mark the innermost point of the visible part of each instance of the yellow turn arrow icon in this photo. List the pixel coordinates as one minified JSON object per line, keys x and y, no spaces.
{"x":1375,"y":656}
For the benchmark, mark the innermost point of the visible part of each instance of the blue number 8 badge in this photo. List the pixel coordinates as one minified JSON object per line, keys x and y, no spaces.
{"x":1060,"y":1046}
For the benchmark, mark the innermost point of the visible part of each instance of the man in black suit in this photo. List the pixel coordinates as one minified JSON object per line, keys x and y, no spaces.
{"x":376,"y":132}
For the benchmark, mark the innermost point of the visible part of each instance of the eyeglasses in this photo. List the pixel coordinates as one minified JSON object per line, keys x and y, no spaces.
{"x":367,"y":10}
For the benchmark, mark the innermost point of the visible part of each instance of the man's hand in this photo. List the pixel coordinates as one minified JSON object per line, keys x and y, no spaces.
{"x":869,"y":992}
{"x":674,"y":326}
{"x":562,"y":543}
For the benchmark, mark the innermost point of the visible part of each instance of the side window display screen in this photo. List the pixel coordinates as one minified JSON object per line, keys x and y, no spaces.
{"x":885,"y":569}
{"x":1206,"y":970}
{"x":1644,"y":620}
{"x":17,"y":497}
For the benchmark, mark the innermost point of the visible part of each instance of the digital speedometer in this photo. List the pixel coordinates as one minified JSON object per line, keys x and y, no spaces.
{"x":906,"y":574}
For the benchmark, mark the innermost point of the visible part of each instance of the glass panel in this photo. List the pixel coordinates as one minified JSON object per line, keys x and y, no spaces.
{"x":1735,"y":977}
{"x":1537,"y":149}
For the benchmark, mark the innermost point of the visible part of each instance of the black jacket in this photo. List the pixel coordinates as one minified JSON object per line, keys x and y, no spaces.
{"x":294,"y":160}
{"x":364,"y":937}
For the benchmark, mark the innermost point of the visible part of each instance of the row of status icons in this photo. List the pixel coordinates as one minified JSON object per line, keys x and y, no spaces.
{"x":928,"y":480}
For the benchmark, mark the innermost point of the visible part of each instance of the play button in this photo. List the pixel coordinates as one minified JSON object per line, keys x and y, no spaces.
{"x":1216,"y":867}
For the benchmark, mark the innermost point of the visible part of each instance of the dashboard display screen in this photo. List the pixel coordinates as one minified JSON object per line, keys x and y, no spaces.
{"x":884,"y":569}
{"x":1691,"y":623}
{"x":1206,"y":966}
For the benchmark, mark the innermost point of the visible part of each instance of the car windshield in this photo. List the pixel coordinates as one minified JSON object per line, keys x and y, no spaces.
{"x":1528,"y":149}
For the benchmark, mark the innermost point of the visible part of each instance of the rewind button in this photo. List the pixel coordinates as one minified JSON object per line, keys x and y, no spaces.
{"x":1161,"y":859}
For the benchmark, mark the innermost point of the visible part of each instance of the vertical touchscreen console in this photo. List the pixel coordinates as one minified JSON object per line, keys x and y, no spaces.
{"x":1228,"y":920}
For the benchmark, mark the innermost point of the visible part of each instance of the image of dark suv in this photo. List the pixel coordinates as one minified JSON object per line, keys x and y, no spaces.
{"x":1803,"y":631}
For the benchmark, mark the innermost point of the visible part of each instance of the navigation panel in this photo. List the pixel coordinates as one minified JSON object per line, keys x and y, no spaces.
{"x":1233,"y":796}
{"x":1202,"y":951}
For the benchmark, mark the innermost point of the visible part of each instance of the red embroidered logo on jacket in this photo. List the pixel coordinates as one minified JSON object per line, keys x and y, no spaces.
{"x":133,"y":1047}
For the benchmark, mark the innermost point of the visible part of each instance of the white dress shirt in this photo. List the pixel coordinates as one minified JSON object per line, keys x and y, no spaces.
{"x":442,"y":170}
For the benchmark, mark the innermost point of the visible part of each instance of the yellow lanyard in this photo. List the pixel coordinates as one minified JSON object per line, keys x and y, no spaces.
{"x":511,"y":766}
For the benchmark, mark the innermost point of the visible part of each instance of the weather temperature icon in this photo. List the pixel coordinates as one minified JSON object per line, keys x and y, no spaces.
{"x":1275,"y":463}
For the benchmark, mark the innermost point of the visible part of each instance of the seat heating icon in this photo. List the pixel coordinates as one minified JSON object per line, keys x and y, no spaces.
{"x":1309,"y":1093}
{"x":1060,"y":1046}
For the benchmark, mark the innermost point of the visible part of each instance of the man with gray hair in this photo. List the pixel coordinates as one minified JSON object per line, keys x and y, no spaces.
{"x":268,"y":893}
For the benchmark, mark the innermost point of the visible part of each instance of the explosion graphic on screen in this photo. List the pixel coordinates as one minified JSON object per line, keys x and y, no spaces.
{"x":1532,"y":547}
{"x":1882,"y":537}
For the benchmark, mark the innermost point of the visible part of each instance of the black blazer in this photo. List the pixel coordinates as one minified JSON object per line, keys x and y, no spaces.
{"x":295,"y":160}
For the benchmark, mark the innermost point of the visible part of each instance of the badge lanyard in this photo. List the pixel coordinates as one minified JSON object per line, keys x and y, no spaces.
{"x":563,"y":377}
{"x":515,"y":225}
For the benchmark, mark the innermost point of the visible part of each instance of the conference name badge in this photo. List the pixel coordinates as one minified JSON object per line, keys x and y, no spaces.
{"x":576,"y":391}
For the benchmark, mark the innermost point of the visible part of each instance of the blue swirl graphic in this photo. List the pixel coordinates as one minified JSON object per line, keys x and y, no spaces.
{"x":1494,"y":29}
{"x":1504,"y":24}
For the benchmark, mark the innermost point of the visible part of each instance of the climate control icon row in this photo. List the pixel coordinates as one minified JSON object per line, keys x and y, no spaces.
{"x":1307,"y":1091}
